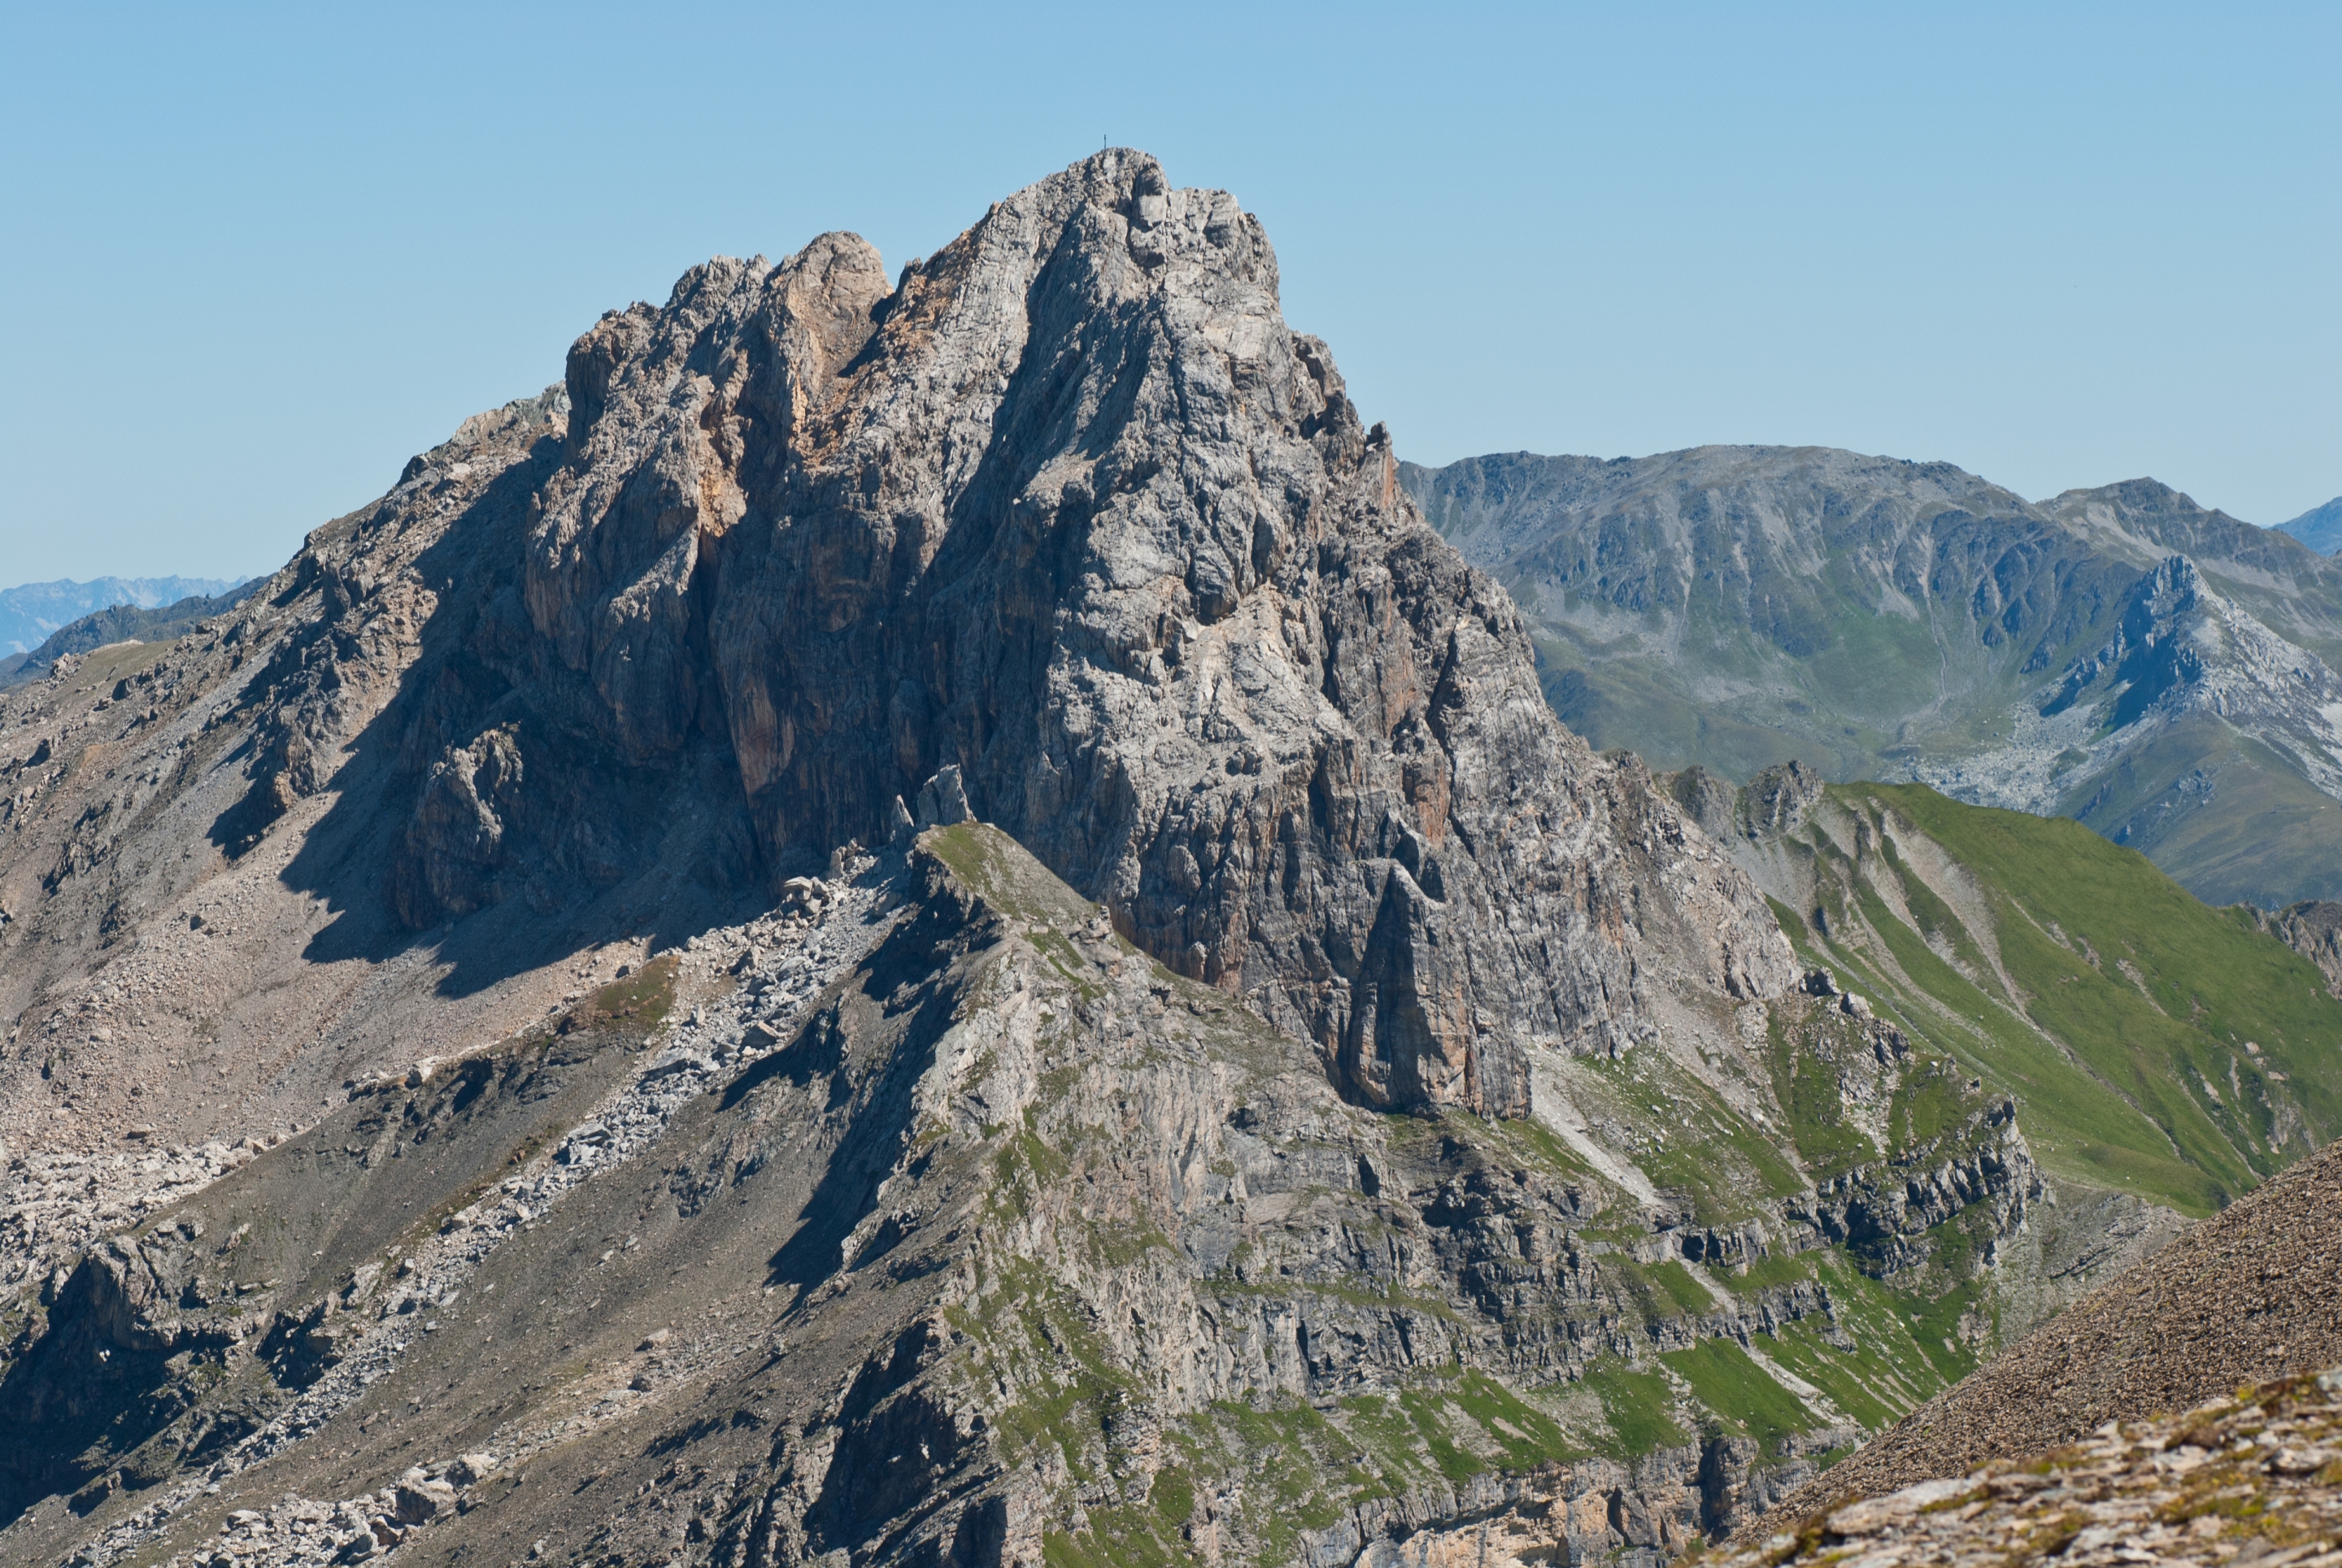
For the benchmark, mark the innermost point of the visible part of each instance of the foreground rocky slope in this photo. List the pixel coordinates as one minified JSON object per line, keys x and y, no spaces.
{"x":2244,"y":1296}
{"x":2162,"y":673}
{"x":519,"y":1041}
{"x":2252,"y":1479}
{"x":961,"y":1232}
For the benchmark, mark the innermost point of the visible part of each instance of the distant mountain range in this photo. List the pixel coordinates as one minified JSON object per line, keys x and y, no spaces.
{"x":2163,"y":672}
{"x":2321,"y":528}
{"x":28,"y":614}
{"x":122,"y":622}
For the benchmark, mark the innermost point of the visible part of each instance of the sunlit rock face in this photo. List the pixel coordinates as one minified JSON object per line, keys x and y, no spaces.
{"x":1071,"y":509}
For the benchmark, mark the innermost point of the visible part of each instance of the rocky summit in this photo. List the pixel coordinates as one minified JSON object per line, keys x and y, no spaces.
{"x":920,"y":921}
{"x":1067,"y":531}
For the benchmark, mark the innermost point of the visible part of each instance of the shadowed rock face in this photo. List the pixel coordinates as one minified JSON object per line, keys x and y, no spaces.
{"x":1071,"y":510}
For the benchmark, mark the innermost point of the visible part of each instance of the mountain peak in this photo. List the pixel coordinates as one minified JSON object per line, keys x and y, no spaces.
{"x":808,"y":944}
{"x":1069,"y":510}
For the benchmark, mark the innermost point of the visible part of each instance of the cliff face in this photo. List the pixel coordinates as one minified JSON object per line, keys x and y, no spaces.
{"x":1071,"y":511}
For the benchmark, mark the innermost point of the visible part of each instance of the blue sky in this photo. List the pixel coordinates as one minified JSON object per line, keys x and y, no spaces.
{"x":256,"y":256}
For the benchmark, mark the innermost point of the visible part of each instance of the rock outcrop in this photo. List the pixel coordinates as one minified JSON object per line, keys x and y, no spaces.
{"x":2313,"y":929}
{"x":2257,"y":1477}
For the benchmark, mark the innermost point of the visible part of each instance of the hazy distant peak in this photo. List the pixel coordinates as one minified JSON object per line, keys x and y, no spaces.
{"x":2319,"y":529}
{"x":1736,"y":606}
{"x":2143,"y":500}
{"x":30,"y":612}
{"x":2153,"y":517}
{"x":1505,"y":499}
{"x":2143,"y":492}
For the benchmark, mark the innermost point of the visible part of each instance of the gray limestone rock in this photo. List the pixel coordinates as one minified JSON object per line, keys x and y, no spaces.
{"x":2313,"y":929}
{"x":943,"y":800}
{"x":421,"y":1500}
{"x":988,"y":1235}
{"x":1069,"y":532}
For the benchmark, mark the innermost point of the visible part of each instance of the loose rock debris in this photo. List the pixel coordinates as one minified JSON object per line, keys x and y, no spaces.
{"x":2254,"y":1481}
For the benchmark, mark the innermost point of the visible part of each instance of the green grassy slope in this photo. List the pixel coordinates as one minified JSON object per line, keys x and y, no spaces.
{"x":2155,"y":1045}
{"x":2222,"y":813}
